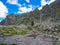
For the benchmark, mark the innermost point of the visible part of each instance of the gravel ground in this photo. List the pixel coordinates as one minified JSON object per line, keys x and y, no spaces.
{"x":25,"y":40}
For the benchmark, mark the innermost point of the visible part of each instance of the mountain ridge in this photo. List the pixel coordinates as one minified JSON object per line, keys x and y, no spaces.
{"x":49,"y":13}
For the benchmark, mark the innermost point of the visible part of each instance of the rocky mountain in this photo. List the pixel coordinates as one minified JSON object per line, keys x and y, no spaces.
{"x":9,"y":20}
{"x":33,"y":28}
{"x":25,"y":18}
{"x":48,"y":14}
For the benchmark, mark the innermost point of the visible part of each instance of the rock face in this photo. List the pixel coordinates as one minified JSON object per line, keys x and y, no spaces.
{"x":49,"y":13}
{"x":24,"y":40}
{"x":10,"y":20}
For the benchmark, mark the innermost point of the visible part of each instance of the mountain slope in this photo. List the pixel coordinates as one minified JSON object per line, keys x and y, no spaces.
{"x":49,"y":13}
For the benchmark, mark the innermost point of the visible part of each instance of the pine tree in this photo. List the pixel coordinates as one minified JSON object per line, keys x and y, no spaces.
{"x":32,"y":23}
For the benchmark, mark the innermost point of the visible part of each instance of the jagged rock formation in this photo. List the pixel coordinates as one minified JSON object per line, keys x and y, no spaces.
{"x":26,"y":18}
{"x":10,"y":20}
{"x":49,"y":13}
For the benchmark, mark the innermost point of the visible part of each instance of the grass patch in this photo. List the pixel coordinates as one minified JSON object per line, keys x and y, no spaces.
{"x":13,"y":31}
{"x":23,"y":32}
{"x":57,"y":43}
{"x":13,"y":44}
{"x":6,"y":44}
{"x":10,"y":31}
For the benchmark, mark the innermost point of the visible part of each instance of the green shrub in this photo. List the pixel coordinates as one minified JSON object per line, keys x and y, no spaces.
{"x":10,"y":28}
{"x":57,"y":43}
{"x":13,"y":44}
{"x":23,"y":32}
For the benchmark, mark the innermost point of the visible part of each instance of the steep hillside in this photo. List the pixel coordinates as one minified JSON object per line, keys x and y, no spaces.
{"x":49,"y":14}
{"x":25,"y":18}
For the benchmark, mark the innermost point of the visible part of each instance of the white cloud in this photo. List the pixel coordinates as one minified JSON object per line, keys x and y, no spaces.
{"x":30,"y":6}
{"x":43,"y":3}
{"x":28,"y":1}
{"x":3,"y":10}
{"x":24,"y":10}
{"x":14,"y":2}
{"x":40,"y":8}
{"x":51,"y":1}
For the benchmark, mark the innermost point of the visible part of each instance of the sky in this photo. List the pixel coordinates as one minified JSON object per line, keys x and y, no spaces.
{"x":20,"y":6}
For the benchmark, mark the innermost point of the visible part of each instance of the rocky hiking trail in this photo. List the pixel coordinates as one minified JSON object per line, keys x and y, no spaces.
{"x":26,"y":40}
{"x":31,"y":38}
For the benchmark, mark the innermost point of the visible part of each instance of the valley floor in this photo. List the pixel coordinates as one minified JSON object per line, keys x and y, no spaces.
{"x":23,"y":35}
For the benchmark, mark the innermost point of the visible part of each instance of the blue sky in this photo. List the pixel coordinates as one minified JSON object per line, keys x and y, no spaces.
{"x":20,"y":6}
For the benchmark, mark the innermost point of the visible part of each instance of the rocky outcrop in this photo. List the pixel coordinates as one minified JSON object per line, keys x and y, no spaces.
{"x":49,"y":13}
{"x":9,"y":20}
